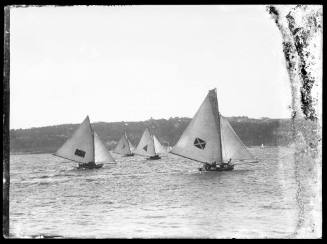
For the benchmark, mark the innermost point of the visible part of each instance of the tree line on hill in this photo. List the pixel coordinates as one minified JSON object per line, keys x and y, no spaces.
{"x":253,"y":132}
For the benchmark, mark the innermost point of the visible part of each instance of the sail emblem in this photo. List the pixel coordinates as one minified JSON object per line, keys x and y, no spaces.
{"x":199,"y":143}
{"x":80,"y":153}
{"x":123,"y":146}
{"x":145,"y":148}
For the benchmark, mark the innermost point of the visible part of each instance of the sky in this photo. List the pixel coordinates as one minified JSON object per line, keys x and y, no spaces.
{"x":131,"y":63}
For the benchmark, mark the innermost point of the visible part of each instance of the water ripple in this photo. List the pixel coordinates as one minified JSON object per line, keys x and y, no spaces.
{"x":142,"y":198}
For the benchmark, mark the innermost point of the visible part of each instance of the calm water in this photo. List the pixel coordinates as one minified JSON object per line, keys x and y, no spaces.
{"x":162,"y":198}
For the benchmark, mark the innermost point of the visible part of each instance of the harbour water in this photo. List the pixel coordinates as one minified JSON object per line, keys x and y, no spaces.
{"x":167,"y":198}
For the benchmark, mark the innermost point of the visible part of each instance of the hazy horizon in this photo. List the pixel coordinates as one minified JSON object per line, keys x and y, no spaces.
{"x":130,"y":63}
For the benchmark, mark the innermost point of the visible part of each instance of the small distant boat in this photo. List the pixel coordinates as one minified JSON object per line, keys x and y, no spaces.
{"x":262,"y":146}
{"x":211,"y":140}
{"x":160,"y":149}
{"x":124,"y":147}
{"x":86,"y":148}
{"x":168,"y":149}
{"x":149,"y":146}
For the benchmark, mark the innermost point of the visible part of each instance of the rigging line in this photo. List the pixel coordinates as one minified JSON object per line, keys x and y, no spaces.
{"x":187,"y":157}
{"x":66,"y":158}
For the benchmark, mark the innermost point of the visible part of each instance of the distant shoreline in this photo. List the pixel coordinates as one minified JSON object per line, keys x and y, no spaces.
{"x":24,"y":153}
{"x":252,"y":132}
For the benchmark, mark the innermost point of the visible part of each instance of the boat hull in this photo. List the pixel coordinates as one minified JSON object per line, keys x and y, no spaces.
{"x":154,"y":157}
{"x":225,"y":168}
{"x":89,"y":166}
{"x":129,"y":155}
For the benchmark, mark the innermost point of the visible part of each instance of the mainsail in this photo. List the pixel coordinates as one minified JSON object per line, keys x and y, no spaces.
{"x":146,"y":145}
{"x":123,"y":146}
{"x":79,"y":147}
{"x":209,"y":137}
{"x":201,"y":140}
{"x":232,"y":145}
{"x":102,"y":155}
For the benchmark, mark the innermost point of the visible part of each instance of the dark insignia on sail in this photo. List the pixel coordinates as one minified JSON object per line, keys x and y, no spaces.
{"x":80,"y":153}
{"x":123,"y":146}
{"x":145,"y":148}
{"x":199,"y":143}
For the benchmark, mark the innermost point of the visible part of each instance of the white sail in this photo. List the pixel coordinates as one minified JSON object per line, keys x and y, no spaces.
{"x":123,"y":146}
{"x":146,"y":145}
{"x":201,"y":139}
{"x":232,"y":145}
{"x":102,"y":155}
{"x":158,"y":147}
{"x":79,"y":147}
{"x":131,"y":146}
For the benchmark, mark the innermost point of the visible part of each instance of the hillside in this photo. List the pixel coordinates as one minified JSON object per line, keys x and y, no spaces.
{"x":253,"y":132}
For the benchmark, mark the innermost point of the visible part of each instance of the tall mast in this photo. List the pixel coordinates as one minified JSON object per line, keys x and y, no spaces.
{"x":124,"y":127}
{"x":214,"y":102}
{"x":126,"y":138}
{"x":153,"y":143}
{"x":93,"y":143}
{"x":220,"y":144}
{"x":151,"y":128}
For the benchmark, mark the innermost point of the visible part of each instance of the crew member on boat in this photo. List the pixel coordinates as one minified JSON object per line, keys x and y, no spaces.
{"x":214,"y":165}
{"x":211,"y":166}
{"x":87,"y":165}
{"x":225,"y":165}
{"x":206,"y":166}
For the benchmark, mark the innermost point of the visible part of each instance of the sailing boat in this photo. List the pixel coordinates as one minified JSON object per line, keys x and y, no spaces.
{"x":149,"y":146}
{"x":124,"y":146}
{"x":85,"y":148}
{"x":166,"y":147}
{"x":211,"y":140}
{"x":160,"y":149}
